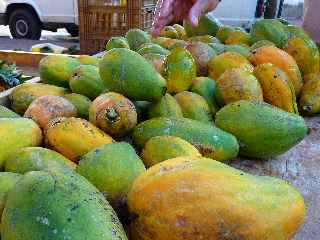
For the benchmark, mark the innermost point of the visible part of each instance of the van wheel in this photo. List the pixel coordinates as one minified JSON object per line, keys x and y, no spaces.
{"x":24,"y":23}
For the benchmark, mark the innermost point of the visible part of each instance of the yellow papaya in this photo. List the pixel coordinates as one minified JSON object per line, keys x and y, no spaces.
{"x":238,"y":37}
{"x":193,"y":198}
{"x":281,"y":59}
{"x":310,"y":96}
{"x":224,"y":32}
{"x":276,"y":86}
{"x":169,"y":32}
{"x":180,"y":30}
{"x":89,"y":60}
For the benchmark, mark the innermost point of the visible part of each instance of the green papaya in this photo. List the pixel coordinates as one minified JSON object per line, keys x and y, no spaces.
{"x":112,"y":168}
{"x":126,"y":72}
{"x":54,"y":205}
{"x":23,"y":95}
{"x":156,"y":60}
{"x":310,"y":96}
{"x":194,"y":106}
{"x":204,"y":39}
{"x":206,"y":87}
{"x":57,"y":69}
{"x":261,"y":43}
{"x":208,"y":25}
{"x":7,"y":113}
{"x":167,"y":106}
{"x":117,"y":42}
{"x":81,"y":102}
{"x":209,"y":140}
{"x":152,"y":48}
{"x":224,"y":32}
{"x":295,"y":31}
{"x":142,"y":108}
{"x":16,"y":133}
{"x":241,"y":49}
{"x":136,"y":38}
{"x":217,"y":47}
{"x":86,"y":80}
{"x":263,"y":131}
{"x":36,"y":159}
{"x":89,"y":60}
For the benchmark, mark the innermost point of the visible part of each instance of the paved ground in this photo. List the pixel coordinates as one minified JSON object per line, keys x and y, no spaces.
{"x":61,"y":38}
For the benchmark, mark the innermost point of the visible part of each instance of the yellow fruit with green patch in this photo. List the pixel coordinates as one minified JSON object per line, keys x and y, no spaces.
{"x":169,"y":32}
{"x":233,"y":204}
{"x":224,"y":32}
{"x":238,"y":37}
{"x":276,"y":86}
{"x":159,"y":149}
{"x":89,"y":60}
{"x":180,"y":70}
{"x":180,"y":30}
{"x":310,"y":96}
{"x":157,"y":60}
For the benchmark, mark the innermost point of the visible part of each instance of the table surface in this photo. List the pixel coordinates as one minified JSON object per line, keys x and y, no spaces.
{"x":300,"y":167}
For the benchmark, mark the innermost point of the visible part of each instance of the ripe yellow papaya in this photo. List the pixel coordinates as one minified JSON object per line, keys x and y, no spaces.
{"x":281,"y":59}
{"x":238,"y":37}
{"x":310,"y":96}
{"x":277,"y":88}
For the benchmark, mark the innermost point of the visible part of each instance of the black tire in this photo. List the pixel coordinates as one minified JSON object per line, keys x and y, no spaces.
{"x":24,"y":23}
{"x":73,"y":31}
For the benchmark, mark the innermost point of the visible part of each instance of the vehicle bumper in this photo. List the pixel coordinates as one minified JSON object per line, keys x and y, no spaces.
{"x":3,"y":19}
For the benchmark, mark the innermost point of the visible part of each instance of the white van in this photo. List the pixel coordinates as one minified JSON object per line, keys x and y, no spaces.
{"x":26,"y":18}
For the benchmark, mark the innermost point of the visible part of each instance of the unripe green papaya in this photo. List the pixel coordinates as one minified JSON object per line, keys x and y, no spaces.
{"x":7,"y":113}
{"x":208,"y":25}
{"x":263,"y":131}
{"x":166,"y":107}
{"x":36,"y":159}
{"x":142,"y":108}
{"x":86,"y":80}
{"x":204,"y":39}
{"x":117,"y":42}
{"x":217,"y":47}
{"x":194,"y":106}
{"x":156,"y":60}
{"x":167,"y":197}
{"x":209,"y":140}
{"x":296,"y":31}
{"x":126,"y":72}
{"x":57,"y":70}
{"x":89,"y":60}
{"x":241,"y":49}
{"x":152,"y":48}
{"x":136,"y":38}
{"x":53,"y":205}
{"x":161,"y":148}
{"x":261,"y":43}
{"x":16,"y":133}
{"x":81,"y":102}
{"x":310,"y":96}
{"x":23,"y":95}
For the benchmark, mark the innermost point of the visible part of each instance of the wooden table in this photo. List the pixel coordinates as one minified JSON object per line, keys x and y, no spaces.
{"x":300,"y":167}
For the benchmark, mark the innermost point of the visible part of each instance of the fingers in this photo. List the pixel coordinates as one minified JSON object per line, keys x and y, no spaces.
{"x":199,"y":8}
{"x":163,"y":16}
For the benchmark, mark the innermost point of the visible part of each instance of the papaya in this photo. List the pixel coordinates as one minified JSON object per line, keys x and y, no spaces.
{"x":228,"y":60}
{"x":171,"y":44}
{"x":74,"y":137}
{"x":194,"y":106}
{"x":238,"y":37}
{"x":262,"y":207}
{"x":206,"y":87}
{"x":16,"y":133}
{"x":7,"y":182}
{"x":166,"y":107}
{"x":306,"y":54}
{"x":86,"y":80}
{"x":208,"y":25}
{"x":180,"y":70}
{"x":112,"y":168}
{"x":162,"y":148}
{"x":36,"y":159}
{"x":276,"y":86}
{"x":295,"y":31}
{"x":23,"y":95}
{"x":241,"y":49}
{"x":156,"y":60}
{"x":152,"y":48}
{"x":159,"y":40}
{"x":202,"y":53}
{"x":113,"y":113}
{"x":89,"y":60}
{"x":55,"y":205}
{"x":136,"y":38}
{"x":169,"y":32}
{"x":209,"y":140}
{"x":126,"y":72}
{"x":180,"y":30}
{"x":7,"y":113}
{"x":204,"y":39}
{"x":261,"y":43}
{"x":117,"y":42}
{"x":57,"y":69}
{"x":282,"y":60}
{"x":263,"y":131}
{"x":310,"y":96}
{"x":217,"y":47}
{"x":81,"y":103}
{"x":46,"y":108}
{"x":269,"y":29}
{"x":224,"y":33}
{"x":142,"y":108}
{"x":237,"y":84}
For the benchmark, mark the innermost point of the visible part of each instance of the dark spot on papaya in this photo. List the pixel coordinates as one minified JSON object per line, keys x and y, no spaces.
{"x":69,"y":219}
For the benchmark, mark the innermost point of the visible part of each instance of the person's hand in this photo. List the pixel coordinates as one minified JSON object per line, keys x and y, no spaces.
{"x":168,"y":11}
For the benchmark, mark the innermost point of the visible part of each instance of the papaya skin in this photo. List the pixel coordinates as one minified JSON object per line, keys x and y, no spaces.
{"x":81,"y":102}
{"x":204,"y":39}
{"x":180,"y":30}
{"x":219,"y":64}
{"x":166,"y":107}
{"x":46,"y":108}
{"x":209,"y":140}
{"x":74,"y":137}
{"x":113,"y":113}
{"x":281,"y":59}
{"x":136,"y":37}
{"x":238,"y":37}
{"x":310,"y":96}
{"x":89,"y":60}
{"x":7,"y":113}
{"x":166,"y":199}
{"x":169,"y":32}
{"x":236,"y":84}
{"x":277,"y":88}
{"x":161,"y":148}
{"x":194,"y":106}
{"x":156,"y":60}
{"x":224,"y":32}
{"x":152,"y":48}
{"x":117,"y":42}
{"x":180,"y":70}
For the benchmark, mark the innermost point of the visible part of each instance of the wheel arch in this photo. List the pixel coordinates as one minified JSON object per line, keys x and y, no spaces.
{"x":13,"y":5}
